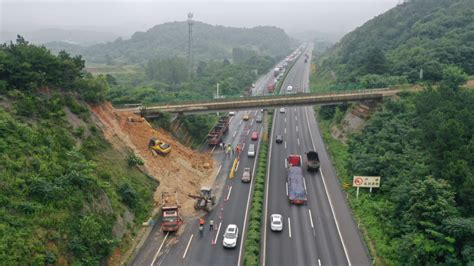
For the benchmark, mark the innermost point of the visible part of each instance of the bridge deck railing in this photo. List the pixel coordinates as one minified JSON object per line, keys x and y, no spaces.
{"x":247,"y":98}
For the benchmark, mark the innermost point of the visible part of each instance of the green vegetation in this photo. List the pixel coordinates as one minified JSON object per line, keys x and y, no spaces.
{"x":392,"y":48}
{"x":170,"y":39}
{"x":167,"y":80}
{"x":64,"y":188}
{"x":422,"y":146}
{"x":252,"y":241}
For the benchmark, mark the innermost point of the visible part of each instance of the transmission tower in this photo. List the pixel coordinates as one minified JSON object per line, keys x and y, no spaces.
{"x":190,"y":45}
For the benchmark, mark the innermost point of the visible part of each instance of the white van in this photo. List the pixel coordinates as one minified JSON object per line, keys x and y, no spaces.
{"x":251,"y":150}
{"x":289,"y":88}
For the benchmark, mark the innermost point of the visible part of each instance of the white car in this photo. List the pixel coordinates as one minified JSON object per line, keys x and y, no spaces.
{"x":276,"y":222}
{"x":289,"y":88}
{"x":282,"y":110}
{"x":231,"y":113}
{"x":230,"y":236}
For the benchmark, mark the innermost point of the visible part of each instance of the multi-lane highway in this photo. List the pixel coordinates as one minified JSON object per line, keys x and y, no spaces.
{"x":321,"y":232}
{"x":192,"y":248}
{"x":312,"y":235}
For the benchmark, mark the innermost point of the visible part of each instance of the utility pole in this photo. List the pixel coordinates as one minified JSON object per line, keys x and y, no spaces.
{"x":190,"y":43}
{"x":217,"y":91}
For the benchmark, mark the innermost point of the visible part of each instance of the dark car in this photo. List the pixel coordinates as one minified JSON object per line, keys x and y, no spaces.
{"x":279,"y":139}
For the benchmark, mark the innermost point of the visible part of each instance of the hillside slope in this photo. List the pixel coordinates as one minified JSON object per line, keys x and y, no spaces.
{"x":171,"y":39}
{"x":394,"y":46}
{"x":71,"y":195}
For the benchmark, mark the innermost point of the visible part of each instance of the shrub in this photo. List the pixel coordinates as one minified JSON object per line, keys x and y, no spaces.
{"x":134,"y":160}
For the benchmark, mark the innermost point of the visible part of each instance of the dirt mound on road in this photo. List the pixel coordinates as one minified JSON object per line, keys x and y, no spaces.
{"x":183,"y":170}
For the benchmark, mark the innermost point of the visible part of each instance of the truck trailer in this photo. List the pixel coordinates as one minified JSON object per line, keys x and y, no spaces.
{"x":295,"y":180}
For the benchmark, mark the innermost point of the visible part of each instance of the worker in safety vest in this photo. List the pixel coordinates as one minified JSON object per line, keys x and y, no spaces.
{"x":201,"y":221}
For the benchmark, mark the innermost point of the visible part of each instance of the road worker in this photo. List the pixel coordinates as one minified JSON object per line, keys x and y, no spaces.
{"x":211,"y":225}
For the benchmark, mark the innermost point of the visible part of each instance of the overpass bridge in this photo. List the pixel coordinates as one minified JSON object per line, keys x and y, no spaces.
{"x":270,"y":101}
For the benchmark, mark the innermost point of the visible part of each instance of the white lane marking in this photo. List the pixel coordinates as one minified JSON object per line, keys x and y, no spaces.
{"x":228,"y":194}
{"x":285,"y":130}
{"x":251,"y":123}
{"x":304,"y":183}
{"x":161,"y":246}
{"x":319,"y":262}
{"x":289,"y":227}
{"x":235,"y":133}
{"x":230,"y":120}
{"x":298,"y":141}
{"x":218,"y":230}
{"x":248,"y":132}
{"x":286,"y":163}
{"x":213,"y":148}
{"x":311,"y":218}
{"x":295,"y":109}
{"x":241,"y":121}
{"x":248,"y":199}
{"x":286,"y":184}
{"x":327,"y":194}
{"x":296,"y":128}
{"x":219,"y":170}
{"x":237,"y":166}
{"x":187,"y":247}
{"x":285,"y":144}
{"x":285,"y":119}
{"x":296,"y":117}
{"x":243,"y":147}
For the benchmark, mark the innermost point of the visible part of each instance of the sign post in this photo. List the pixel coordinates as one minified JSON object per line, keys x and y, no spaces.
{"x":365,"y":181}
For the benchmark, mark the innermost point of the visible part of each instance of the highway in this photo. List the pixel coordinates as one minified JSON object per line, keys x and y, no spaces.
{"x":189,"y":247}
{"x":311,"y":234}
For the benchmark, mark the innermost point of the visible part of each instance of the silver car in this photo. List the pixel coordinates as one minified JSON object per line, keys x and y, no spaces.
{"x":247,"y":175}
{"x":230,"y":236}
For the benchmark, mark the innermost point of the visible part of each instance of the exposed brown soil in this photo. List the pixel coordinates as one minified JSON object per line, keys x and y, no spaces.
{"x":183,"y":170}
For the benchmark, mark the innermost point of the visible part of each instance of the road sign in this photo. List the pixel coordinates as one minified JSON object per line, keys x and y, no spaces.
{"x":366,"y":181}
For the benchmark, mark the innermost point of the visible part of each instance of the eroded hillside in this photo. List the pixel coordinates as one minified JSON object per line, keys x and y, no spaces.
{"x":183,"y":170}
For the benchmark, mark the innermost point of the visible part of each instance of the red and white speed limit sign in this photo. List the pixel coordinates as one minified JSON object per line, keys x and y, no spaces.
{"x":358,"y":181}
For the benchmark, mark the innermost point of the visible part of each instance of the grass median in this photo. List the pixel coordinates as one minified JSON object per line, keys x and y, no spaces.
{"x":252,"y":241}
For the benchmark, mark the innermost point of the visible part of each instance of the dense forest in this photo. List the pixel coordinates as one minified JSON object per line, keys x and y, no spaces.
{"x":67,"y":197}
{"x":393,"y":47}
{"x":421,"y":144}
{"x":423,"y":148}
{"x":171,"y":39}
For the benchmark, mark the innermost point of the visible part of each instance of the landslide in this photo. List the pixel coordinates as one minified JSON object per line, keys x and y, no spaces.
{"x":183,"y":170}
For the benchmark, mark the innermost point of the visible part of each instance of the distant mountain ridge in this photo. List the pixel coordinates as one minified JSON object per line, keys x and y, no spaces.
{"x":171,"y":39}
{"x":66,"y":36}
{"x":422,"y":34}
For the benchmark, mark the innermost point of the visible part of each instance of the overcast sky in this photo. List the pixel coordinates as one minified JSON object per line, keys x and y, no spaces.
{"x":126,"y":17}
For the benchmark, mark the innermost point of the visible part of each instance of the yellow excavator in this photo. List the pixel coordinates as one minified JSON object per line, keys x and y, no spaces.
{"x":159,"y":146}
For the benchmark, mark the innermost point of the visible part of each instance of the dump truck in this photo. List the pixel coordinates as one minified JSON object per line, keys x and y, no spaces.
{"x":170,"y":218}
{"x":159,"y":146}
{"x":217,"y":132}
{"x":295,"y":181}
{"x":312,"y":161}
{"x":205,"y":200}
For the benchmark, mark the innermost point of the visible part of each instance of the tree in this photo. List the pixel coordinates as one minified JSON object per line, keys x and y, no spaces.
{"x":453,"y":77}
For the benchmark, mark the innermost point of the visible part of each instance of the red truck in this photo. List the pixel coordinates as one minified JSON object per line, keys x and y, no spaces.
{"x":295,"y":180}
{"x":170,"y":218}
{"x":271,"y":87}
{"x":217,"y":132}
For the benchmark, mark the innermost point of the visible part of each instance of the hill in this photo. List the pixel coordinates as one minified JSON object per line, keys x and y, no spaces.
{"x":77,"y":180}
{"x":171,"y":39}
{"x":393,"y":47}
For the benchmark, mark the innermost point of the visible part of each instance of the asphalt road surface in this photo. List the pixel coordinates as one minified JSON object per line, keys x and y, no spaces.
{"x":311,"y":235}
{"x":192,"y":248}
